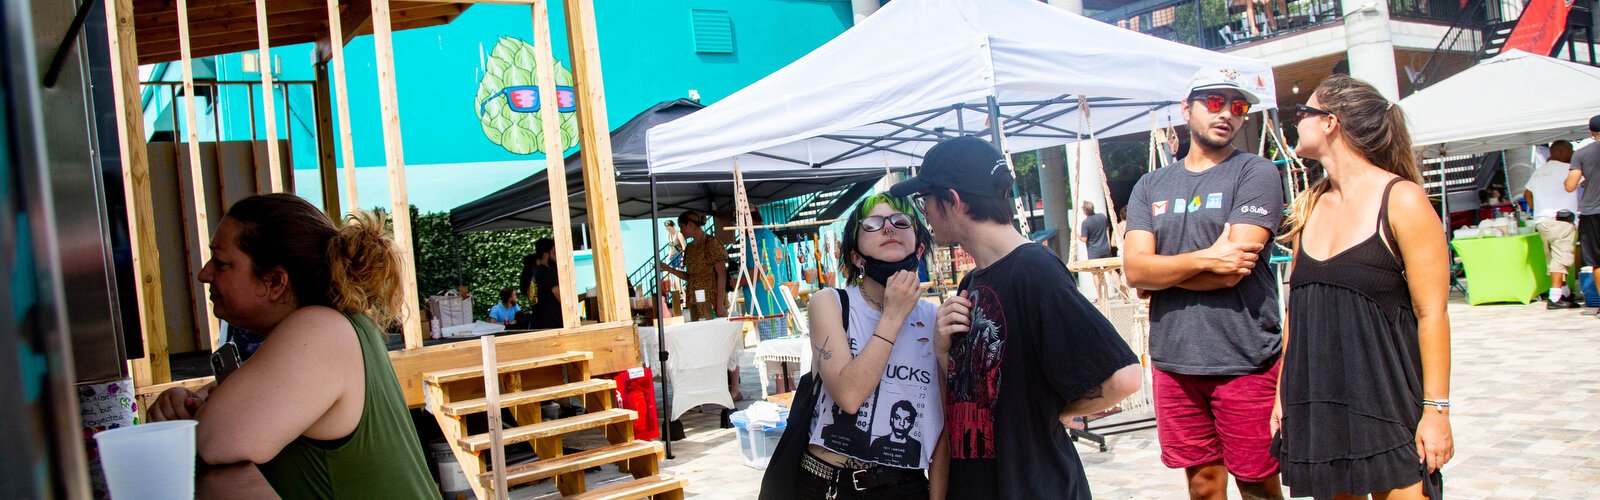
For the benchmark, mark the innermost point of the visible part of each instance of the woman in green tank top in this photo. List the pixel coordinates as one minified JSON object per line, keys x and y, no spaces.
{"x":317,"y":407}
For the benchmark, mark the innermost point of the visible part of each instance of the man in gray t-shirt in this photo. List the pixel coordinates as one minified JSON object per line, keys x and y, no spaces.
{"x":1586,"y":173}
{"x":1095,"y":232}
{"x":1196,"y":243}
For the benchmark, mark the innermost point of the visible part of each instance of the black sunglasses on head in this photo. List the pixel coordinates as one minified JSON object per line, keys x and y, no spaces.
{"x":1302,"y":112}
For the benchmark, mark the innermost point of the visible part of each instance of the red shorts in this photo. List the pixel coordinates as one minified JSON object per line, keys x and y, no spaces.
{"x":1202,"y":419}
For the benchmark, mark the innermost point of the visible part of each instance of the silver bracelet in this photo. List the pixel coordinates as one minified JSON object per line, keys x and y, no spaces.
{"x":1437,"y":404}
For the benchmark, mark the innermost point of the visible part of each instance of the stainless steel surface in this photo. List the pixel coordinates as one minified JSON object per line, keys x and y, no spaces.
{"x":28,"y":29}
{"x":79,"y":200}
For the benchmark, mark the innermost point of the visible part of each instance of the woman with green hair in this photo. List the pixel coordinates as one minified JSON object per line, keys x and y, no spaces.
{"x":879,"y":415}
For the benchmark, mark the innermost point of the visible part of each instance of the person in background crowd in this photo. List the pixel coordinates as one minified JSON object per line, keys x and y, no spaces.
{"x":1553,"y":208}
{"x":705,"y":262}
{"x":675,"y":245}
{"x":880,"y":400}
{"x":1022,"y":351}
{"x":1363,"y":407}
{"x":1121,"y":232}
{"x":1586,"y":174}
{"x":1196,"y":230}
{"x":505,"y":313}
{"x":543,"y":284}
{"x":705,"y":268}
{"x":1095,"y":232}
{"x":324,"y":415}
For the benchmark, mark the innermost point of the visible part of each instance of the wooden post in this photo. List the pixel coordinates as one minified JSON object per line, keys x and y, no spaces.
{"x":347,"y":150}
{"x":594,"y":137}
{"x":555,"y":165}
{"x":394,"y":155}
{"x":197,"y":184}
{"x":153,"y":368}
{"x":327,"y":167}
{"x":268,"y":99}
{"x":491,"y":395}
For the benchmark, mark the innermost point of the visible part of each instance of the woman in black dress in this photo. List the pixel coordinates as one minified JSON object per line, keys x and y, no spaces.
{"x":1363,"y":398}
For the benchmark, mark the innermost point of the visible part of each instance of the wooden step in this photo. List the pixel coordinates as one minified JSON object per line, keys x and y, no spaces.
{"x":476,"y":372}
{"x":550,"y":428}
{"x":638,"y":488}
{"x":481,"y":405}
{"x":544,"y":469}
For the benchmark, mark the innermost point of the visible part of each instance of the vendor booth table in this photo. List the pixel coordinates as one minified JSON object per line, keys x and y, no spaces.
{"x":701,"y":352}
{"x":1503,"y":269}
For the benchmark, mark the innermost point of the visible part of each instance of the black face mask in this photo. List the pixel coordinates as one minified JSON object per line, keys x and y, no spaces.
{"x":881,"y":271}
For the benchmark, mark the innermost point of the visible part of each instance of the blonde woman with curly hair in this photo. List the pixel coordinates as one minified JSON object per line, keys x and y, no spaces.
{"x":317,"y":407}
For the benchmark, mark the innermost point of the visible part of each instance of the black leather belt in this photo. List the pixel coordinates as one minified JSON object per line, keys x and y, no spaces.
{"x":857,"y":479}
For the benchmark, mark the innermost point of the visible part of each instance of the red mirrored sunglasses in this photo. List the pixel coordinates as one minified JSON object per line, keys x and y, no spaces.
{"x":1215,"y":102}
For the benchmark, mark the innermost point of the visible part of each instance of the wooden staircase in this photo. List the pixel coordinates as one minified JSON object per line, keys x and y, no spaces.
{"x":451,"y":395}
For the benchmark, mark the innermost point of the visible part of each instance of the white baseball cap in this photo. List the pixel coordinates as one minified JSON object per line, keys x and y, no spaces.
{"x":1216,"y":77}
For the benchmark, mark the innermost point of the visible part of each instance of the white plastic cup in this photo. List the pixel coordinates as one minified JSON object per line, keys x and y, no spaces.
{"x":154,"y":460}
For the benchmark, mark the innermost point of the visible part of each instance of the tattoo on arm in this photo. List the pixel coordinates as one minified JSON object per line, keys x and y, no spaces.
{"x":1095,"y":392}
{"x":824,"y":351}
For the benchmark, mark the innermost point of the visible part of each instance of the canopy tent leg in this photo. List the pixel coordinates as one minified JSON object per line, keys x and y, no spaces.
{"x":661,"y":324}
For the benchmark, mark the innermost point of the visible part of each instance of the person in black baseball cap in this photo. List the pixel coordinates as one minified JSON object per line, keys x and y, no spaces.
{"x":1020,"y":313}
{"x":965,"y":172}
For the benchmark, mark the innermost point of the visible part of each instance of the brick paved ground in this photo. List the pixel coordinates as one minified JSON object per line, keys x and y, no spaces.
{"x":1526,"y":421}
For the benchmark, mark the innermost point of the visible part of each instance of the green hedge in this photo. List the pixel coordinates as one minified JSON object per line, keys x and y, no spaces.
{"x":484,"y":261}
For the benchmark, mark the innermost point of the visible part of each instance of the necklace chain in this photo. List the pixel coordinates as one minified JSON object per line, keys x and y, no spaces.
{"x":875,"y":303}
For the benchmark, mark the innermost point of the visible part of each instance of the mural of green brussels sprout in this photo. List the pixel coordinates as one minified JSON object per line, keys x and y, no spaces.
{"x":507,"y":102}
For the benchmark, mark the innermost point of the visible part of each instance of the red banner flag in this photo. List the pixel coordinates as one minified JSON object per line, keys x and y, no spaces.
{"x":1541,"y":24}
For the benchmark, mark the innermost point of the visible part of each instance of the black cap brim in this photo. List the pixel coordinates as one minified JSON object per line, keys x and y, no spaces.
{"x":907,"y":187}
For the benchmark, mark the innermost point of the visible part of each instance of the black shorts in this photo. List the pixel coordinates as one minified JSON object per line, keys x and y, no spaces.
{"x":1589,"y":239}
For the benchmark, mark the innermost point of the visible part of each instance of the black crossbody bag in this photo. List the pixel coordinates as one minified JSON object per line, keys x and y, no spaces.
{"x":782,"y":478}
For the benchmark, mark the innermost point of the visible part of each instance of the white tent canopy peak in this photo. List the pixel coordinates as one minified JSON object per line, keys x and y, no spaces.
{"x":920,"y":71}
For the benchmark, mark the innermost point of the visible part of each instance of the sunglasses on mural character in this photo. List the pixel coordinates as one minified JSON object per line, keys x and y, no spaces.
{"x":1214,"y":103}
{"x":525,"y":99}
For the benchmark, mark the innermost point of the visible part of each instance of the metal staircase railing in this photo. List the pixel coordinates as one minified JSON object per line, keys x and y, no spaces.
{"x":1466,"y":38}
{"x":643,"y":276}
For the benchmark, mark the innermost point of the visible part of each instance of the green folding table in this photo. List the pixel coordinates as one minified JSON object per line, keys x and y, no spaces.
{"x":1503,"y":269}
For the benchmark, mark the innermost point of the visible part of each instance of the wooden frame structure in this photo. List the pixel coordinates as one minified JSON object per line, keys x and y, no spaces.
{"x":210,"y":27}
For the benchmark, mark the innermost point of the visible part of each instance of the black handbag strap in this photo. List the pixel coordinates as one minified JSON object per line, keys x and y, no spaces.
{"x":781,"y":479}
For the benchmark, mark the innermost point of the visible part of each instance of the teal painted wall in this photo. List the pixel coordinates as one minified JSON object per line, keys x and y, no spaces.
{"x":647,"y":53}
{"x":647,"y":50}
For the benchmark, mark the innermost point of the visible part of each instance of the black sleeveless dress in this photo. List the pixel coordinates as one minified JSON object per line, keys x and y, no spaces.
{"x":1352,"y":374}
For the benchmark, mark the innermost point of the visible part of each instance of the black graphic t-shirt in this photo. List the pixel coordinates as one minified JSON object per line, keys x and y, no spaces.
{"x":1035,"y":345}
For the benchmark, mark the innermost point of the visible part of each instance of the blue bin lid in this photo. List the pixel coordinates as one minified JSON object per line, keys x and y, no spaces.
{"x":743,"y":422}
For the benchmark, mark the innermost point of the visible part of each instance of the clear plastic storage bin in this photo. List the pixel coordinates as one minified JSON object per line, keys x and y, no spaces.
{"x":757,"y":442}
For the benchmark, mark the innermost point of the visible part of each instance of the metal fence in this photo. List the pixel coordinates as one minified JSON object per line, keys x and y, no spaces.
{"x":1218,"y":24}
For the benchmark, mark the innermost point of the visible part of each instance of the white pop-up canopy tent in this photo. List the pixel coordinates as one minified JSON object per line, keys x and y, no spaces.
{"x":1512,"y":100}
{"x":919,"y":71}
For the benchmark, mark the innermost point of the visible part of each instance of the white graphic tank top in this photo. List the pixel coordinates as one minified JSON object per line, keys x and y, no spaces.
{"x":899,"y":422}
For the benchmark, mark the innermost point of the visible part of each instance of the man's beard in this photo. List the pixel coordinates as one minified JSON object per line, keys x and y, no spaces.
{"x":1206,"y":140}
